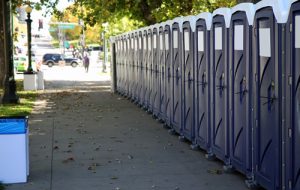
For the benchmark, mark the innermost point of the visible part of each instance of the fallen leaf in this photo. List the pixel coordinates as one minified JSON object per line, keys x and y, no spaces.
{"x":91,"y":168}
{"x":215,"y":171}
{"x":70,"y":159}
{"x":130,"y":157}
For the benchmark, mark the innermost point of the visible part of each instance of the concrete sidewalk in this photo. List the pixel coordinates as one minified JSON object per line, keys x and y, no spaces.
{"x":82,"y":137}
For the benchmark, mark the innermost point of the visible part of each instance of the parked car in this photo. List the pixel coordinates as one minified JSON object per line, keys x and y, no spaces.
{"x":95,"y":48}
{"x":51,"y":59}
{"x":21,"y":63}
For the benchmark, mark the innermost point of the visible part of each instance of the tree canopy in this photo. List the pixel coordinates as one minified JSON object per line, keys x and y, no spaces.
{"x":141,"y":12}
{"x":133,"y":13}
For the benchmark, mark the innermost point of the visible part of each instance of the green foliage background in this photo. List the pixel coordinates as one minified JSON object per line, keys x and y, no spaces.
{"x":124,"y":15}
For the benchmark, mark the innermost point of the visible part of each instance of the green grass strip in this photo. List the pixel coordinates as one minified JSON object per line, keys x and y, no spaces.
{"x":24,"y":108}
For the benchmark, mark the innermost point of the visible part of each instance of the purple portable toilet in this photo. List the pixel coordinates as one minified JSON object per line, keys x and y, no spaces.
{"x":176,"y":48}
{"x":162,"y":72}
{"x":155,"y":96}
{"x":240,"y":57}
{"x":122,"y":65}
{"x":135,"y":61}
{"x":268,"y":48}
{"x":119,"y":64}
{"x":188,"y":76}
{"x":143,"y":68}
{"x":140,"y":88}
{"x":131,"y":73}
{"x":292,"y":89}
{"x":202,"y":82}
{"x":168,"y":72}
{"x":127,"y":65}
{"x":220,"y":83}
{"x":150,"y":69}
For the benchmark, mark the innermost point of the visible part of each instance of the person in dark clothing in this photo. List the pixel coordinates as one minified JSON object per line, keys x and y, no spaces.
{"x":86,"y":63}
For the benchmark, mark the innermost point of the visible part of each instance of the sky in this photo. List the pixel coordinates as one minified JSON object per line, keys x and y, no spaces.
{"x":62,"y":4}
{"x":36,"y":15}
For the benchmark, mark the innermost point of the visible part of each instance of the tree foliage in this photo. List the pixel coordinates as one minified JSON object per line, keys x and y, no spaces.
{"x":136,"y":13}
{"x":142,"y":12}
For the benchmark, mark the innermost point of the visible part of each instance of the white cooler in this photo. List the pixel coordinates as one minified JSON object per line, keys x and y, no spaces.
{"x":14,"y":150}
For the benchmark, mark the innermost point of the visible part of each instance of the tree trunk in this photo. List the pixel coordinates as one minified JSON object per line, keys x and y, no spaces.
{"x":9,"y":95}
{"x":2,"y":57}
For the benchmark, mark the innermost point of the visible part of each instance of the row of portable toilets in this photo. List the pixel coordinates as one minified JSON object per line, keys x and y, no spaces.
{"x":229,"y":82}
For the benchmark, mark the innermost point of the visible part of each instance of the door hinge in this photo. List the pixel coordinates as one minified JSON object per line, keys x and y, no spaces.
{"x":290,"y":80}
{"x":290,"y":184}
{"x":291,"y":27}
{"x":290,"y":133}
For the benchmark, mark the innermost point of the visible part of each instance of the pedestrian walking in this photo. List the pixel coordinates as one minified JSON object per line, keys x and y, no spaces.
{"x":86,"y":63}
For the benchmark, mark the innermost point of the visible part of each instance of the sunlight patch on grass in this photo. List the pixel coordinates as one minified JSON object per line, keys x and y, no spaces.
{"x":24,"y":108}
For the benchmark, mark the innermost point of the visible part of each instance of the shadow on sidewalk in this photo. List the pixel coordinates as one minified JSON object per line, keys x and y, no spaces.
{"x":83,"y":137}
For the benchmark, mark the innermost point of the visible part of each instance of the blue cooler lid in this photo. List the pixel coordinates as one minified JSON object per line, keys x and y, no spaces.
{"x":13,"y":125}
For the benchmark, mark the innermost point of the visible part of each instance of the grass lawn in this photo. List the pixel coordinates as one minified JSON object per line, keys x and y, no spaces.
{"x":2,"y":186}
{"x":25,"y":106}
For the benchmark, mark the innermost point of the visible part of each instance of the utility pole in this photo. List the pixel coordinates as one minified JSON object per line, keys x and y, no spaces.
{"x":82,"y":36}
{"x":104,"y":52}
{"x":105,"y":25}
{"x":10,"y":95}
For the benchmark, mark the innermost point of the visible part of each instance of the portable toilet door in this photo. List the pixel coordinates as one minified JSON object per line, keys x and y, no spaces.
{"x":292,"y":84}
{"x":202,"y":82}
{"x":220,"y":79}
{"x":132,"y":66}
{"x":150,"y":70}
{"x":136,"y":68}
{"x":124,"y":46}
{"x":268,"y":49}
{"x":145,"y":70}
{"x":168,"y":73}
{"x":241,"y":87}
{"x":119,"y":62}
{"x":177,"y":75}
{"x":128,"y":66}
{"x":125,"y":64}
{"x":188,"y":86}
{"x":122,"y":68}
{"x":140,"y":88}
{"x":155,"y":73}
{"x":162,"y":73}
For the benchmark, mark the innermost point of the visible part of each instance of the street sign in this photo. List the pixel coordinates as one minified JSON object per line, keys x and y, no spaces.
{"x":70,"y":26}
{"x":52,"y":29}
